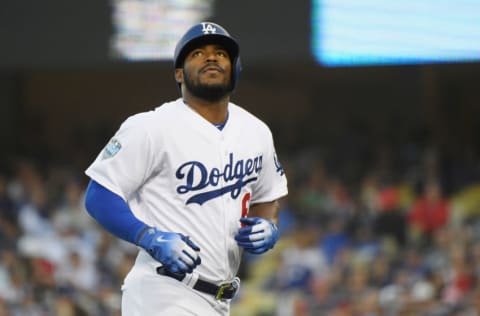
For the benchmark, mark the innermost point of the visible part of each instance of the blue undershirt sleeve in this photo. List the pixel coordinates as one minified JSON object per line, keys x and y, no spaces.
{"x":112,"y":212}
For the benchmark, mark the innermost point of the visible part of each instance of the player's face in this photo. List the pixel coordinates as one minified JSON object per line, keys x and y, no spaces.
{"x":207,"y":72}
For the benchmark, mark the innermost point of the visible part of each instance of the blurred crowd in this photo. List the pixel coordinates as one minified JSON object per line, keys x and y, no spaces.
{"x":394,"y":234}
{"x":54,"y":259}
{"x":401,"y":239}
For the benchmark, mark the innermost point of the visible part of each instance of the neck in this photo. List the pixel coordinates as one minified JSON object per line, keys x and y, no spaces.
{"x":214,"y":112}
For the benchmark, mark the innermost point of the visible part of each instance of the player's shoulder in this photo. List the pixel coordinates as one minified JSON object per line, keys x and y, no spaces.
{"x":154,"y":116}
{"x":247,"y":117}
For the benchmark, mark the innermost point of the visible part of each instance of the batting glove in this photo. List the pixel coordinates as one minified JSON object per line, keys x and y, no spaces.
{"x":258,"y":236}
{"x":175,"y":251}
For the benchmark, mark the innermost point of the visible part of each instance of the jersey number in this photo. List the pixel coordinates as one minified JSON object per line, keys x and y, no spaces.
{"x":245,"y":205}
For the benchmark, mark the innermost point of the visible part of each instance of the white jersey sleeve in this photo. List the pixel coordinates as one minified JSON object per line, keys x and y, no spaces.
{"x":127,"y":160}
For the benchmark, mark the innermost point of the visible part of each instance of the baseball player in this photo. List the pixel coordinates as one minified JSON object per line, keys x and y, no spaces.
{"x":192,"y":183}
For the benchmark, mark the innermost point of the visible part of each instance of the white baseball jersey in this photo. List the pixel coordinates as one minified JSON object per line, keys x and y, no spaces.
{"x":180,"y":173}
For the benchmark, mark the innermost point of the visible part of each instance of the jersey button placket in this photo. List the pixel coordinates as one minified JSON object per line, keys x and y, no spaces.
{"x":224,"y":158}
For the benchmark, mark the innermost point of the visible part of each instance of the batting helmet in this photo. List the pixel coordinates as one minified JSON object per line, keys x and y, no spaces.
{"x":208,"y":32}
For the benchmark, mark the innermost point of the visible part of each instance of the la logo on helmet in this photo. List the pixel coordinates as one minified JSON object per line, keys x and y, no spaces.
{"x":208,"y":28}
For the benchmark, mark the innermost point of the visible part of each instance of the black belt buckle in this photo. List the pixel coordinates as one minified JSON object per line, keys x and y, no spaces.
{"x":220,"y":292}
{"x":229,"y":289}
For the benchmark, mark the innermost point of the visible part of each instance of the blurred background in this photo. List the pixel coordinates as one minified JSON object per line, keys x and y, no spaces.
{"x":375,"y":111}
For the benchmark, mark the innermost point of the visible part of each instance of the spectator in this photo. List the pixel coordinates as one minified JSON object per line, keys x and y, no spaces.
{"x":301,"y":262}
{"x":429,"y":212}
{"x":334,"y":240}
{"x":389,"y":222}
{"x":312,"y":194}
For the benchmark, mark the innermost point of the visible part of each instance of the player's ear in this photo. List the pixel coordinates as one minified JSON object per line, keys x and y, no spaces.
{"x":179,"y":75}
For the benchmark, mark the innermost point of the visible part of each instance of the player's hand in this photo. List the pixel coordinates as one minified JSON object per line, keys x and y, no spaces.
{"x":258,"y":236}
{"x":175,"y":251}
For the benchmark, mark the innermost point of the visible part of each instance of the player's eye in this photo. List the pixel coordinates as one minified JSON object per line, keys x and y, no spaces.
{"x":222,"y":53}
{"x":196,"y":53}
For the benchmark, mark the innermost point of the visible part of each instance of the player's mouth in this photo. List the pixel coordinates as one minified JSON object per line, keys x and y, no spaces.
{"x":211,"y":68}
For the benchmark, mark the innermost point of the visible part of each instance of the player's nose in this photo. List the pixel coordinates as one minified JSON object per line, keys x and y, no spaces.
{"x":211,"y":57}
{"x":211,"y":52}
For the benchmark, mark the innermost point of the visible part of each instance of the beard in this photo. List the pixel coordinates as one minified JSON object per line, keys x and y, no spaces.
{"x":209,"y":92}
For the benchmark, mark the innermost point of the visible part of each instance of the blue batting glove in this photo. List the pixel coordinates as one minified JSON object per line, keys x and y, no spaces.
{"x":175,"y":251}
{"x":258,"y":236}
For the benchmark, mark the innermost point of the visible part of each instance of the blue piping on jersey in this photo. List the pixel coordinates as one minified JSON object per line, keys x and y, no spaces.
{"x":222,"y":125}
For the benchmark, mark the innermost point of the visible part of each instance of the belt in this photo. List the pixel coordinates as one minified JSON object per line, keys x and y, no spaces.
{"x":224,"y":291}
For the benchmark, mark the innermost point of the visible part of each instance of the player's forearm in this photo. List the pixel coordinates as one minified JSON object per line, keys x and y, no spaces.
{"x":175,"y":251}
{"x":112,"y":212}
{"x":268,"y":210}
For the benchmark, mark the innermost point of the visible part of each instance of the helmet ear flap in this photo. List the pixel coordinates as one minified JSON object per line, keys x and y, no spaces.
{"x":236,"y":69}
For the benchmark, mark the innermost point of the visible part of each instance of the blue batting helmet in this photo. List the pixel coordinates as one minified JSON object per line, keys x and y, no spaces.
{"x":208,"y":32}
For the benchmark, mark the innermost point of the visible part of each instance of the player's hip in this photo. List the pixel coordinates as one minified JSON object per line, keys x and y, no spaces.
{"x":156,"y":294}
